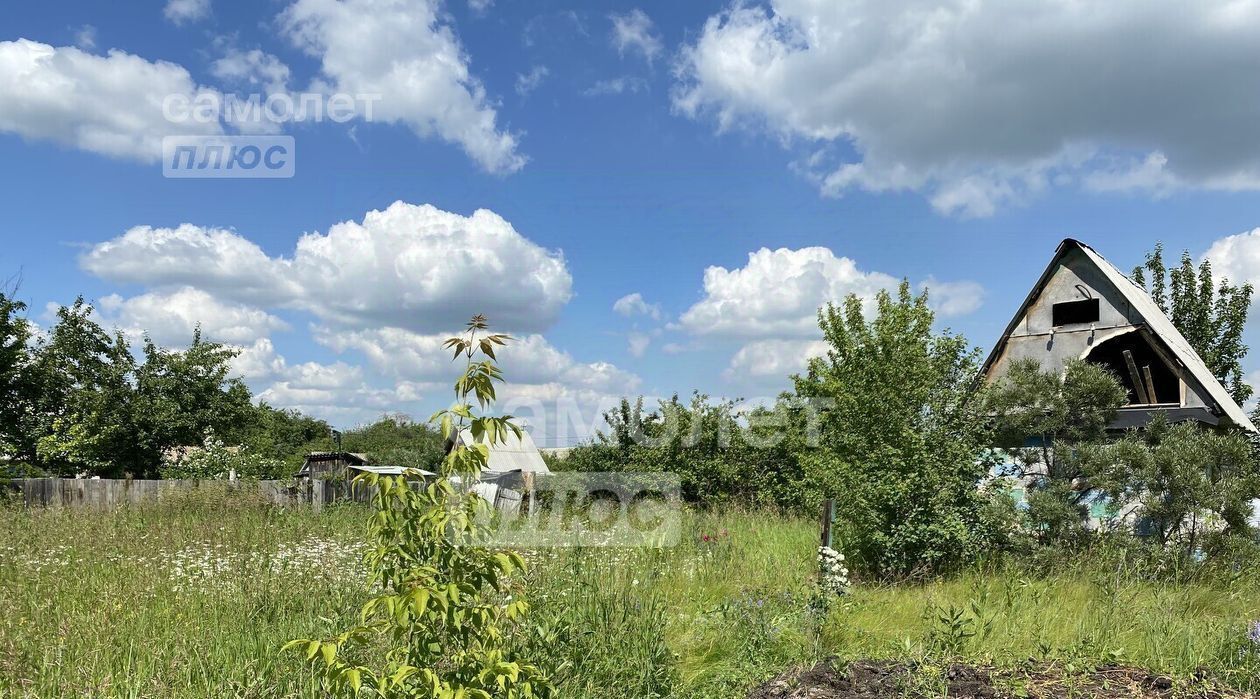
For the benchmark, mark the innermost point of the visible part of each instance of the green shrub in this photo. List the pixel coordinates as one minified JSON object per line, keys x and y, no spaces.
{"x":901,"y":451}
{"x":720,"y":461}
{"x":216,"y":461}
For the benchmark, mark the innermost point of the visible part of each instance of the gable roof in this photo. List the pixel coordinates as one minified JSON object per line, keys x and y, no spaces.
{"x":1151,"y":314}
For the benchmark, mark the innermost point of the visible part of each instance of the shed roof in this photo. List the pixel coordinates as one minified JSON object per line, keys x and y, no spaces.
{"x":383,"y":470}
{"x":1156,"y":321}
{"x":348,"y":457}
{"x":512,"y":453}
{"x":321,"y":457}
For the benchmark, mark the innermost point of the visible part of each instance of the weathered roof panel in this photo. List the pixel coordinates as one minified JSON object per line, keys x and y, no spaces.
{"x":512,"y":453}
{"x":383,"y":470}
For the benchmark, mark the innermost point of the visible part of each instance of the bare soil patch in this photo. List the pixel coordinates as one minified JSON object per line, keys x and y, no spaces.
{"x":888,"y":679}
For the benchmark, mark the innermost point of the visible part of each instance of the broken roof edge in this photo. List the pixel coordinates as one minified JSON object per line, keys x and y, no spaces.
{"x":1153,"y":316}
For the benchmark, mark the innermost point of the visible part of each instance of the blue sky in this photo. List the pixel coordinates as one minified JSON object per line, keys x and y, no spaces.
{"x":616,"y":149}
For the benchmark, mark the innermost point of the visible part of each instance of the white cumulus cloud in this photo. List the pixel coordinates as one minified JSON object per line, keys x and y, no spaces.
{"x":770,"y":307}
{"x":772,"y":359}
{"x":338,"y":392}
{"x":170,"y":318}
{"x":406,"y":53}
{"x":409,"y":266}
{"x":528,"y":82}
{"x":181,"y":12}
{"x":110,"y":105}
{"x":253,"y":68}
{"x":634,"y":305}
{"x":1237,"y":257}
{"x":778,"y":293}
{"x":949,"y":299}
{"x":258,"y":361}
{"x":85,"y":37}
{"x":637,"y":343}
{"x":633,"y":32}
{"x":527,"y":360}
{"x":208,"y":258}
{"x":980,"y":103}
{"x":562,"y":397}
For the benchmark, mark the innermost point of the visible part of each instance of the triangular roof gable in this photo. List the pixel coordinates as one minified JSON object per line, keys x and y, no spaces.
{"x":1154,"y":318}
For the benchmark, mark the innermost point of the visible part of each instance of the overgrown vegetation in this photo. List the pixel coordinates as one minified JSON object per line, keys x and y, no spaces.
{"x":894,"y":425}
{"x":192,"y":597}
{"x":723,"y":458}
{"x":898,"y":446}
{"x":1130,"y":547}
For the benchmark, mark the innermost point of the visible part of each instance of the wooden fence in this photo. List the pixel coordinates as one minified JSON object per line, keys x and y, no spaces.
{"x":107,"y":494}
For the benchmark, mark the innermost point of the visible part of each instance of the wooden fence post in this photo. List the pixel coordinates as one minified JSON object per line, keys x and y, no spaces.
{"x":828,"y":518}
{"x":528,"y":481}
{"x":318,"y":486}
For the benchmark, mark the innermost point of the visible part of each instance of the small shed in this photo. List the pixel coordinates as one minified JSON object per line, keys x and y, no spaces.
{"x":322,"y":464}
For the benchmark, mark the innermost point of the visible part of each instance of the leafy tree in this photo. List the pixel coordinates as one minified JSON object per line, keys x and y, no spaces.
{"x":285,"y":435}
{"x":85,"y":404}
{"x":180,"y":396}
{"x":15,"y":393}
{"x":399,"y":441}
{"x":1055,"y":429}
{"x":80,"y":418}
{"x":900,"y":450}
{"x":441,"y":612}
{"x":1211,"y":316}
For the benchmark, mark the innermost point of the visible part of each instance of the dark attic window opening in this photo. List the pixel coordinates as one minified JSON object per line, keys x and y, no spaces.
{"x":1142,"y":372}
{"x":1075,"y":312}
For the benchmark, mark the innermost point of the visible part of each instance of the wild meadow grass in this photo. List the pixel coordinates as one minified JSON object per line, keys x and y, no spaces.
{"x":193,"y":597}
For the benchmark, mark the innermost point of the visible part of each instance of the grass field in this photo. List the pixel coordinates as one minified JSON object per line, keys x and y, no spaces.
{"x":193,"y":596}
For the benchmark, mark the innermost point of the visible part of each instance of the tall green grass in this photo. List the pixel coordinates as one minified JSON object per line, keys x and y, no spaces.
{"x":193,"y":596}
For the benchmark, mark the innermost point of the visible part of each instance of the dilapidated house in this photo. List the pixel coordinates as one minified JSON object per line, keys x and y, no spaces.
{"x":1082,"y":307}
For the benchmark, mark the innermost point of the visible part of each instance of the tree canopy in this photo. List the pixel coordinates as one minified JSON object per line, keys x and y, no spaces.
{"x":77,"y":400}
{"x":1209,"y":314}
